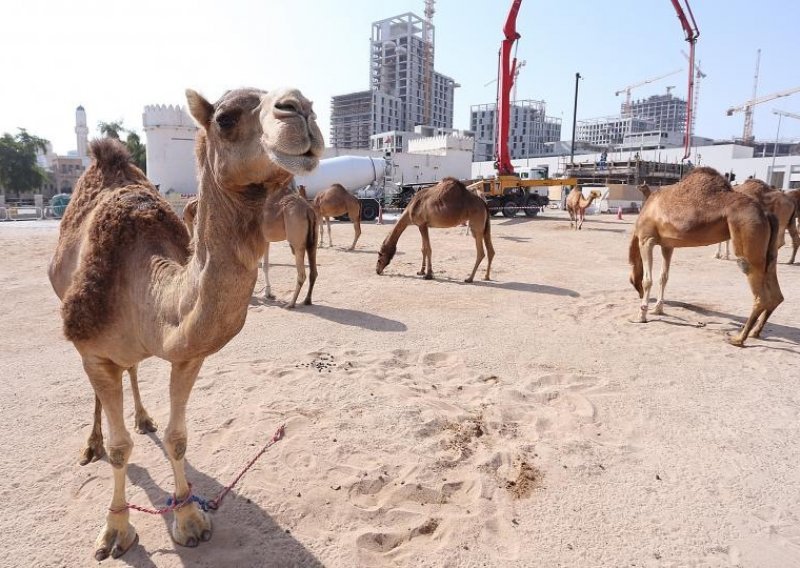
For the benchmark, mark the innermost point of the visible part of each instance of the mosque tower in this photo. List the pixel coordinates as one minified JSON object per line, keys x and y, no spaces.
{"x":82,"y":132}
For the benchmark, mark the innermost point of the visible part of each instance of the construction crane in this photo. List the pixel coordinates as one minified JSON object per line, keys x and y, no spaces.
{"x":698,"y":75}
{"x":626,"y":107}
{"x":785,"y":113}
{"x":691,"y":33}
{"x":747,"y":135}
{"x":747,"y":132}
{"x":427,"y":38}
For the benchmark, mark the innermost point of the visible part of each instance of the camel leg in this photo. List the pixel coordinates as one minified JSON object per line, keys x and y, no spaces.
{"x":94,"y":449}
{"x":118,"y":535}
{"x":773,"y":298}
{"x":666,"y":252}
{"x":478,"y":234}
{"x":792,"y":228}
{"x":487,"y":240}
{"x":718,"y":254}
{"x":426,"y":252}
{"x":268,"y":295}
{"x":190,"y":524}
{"x":143,"y":422}
{"x":330,"y":238}
{"x":312,"y":277}
{"x":646,"y":250}
{"x":299,"y":262}
{"x":752,"y":256}
{"x":355,"y":217}
{"x":571,"y":218}
{"x":321,"y":230}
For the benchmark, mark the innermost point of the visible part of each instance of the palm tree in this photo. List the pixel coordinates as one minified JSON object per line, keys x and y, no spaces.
{"x":137,"y":150}
{"x":111,"y":129}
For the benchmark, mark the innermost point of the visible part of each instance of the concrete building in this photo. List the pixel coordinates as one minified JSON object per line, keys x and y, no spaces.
{"x":530,"y":130}
{"x":405,"y":90}
{"x":666,"y":112}
{"x":170,"y":133}
{"x":610,"y":131}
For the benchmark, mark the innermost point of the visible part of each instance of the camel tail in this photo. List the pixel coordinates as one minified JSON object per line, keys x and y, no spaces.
{"x":774,"y":234}
{"x":637,"y":268}
{"x":311,"y":235}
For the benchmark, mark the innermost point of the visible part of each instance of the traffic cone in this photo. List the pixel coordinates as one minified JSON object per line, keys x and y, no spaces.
{"x":619,"y":213}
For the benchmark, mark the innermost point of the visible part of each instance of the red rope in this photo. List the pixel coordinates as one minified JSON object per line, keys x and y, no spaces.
{"x":173,"y":503}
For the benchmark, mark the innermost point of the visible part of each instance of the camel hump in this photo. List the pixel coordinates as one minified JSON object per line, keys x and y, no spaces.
{"x":109,"y":155}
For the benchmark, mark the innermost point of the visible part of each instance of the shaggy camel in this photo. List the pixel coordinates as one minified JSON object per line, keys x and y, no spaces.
{"x":701,"y":210}
{"x":132,"y":287}
{"x":784,"y":207}
{"x":447,"y":204}
{"x":333,"y":202}
{"x":287,"y":217}
{"x":577,"y":205}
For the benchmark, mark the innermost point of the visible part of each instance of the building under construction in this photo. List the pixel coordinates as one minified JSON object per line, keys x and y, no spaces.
{"x":530,"y":130}
{"x":405,"y":90}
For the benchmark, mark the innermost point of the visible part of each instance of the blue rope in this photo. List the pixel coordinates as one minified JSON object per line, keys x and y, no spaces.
{"x":204,"y":504}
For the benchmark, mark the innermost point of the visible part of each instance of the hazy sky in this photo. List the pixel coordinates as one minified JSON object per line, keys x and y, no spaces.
{"x":115,"y":57}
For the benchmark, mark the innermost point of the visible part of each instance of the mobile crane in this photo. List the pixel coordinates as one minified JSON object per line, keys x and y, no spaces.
{"x":509,"y":191}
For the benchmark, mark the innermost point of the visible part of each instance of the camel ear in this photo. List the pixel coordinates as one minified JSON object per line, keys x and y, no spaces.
{"x":200,"y":109}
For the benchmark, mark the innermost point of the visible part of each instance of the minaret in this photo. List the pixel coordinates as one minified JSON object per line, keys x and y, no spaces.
{"x":82,"y":132}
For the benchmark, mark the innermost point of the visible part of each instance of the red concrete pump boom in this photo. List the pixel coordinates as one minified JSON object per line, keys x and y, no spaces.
{"x":505,"y":81}
{"x":692,"y":33}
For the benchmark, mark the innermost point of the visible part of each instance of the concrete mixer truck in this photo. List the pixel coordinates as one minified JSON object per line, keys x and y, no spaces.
{"x":362,"y":176}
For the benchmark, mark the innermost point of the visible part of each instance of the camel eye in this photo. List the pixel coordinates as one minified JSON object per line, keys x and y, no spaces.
{"x":227,"y":121}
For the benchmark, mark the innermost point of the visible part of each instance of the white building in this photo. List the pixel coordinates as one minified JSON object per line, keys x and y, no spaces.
{"x":530,"y":130}
{"x":610,"y":130}
{"x":170,"y":133}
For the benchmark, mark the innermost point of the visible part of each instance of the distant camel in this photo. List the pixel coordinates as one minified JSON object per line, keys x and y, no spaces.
{"x":447,"y":204}
{"x":333,"y":202}
{"x":783,"y":206}
{"x":577,"y":205}
{"x":701,"y":210}
{"x":287,"y":216}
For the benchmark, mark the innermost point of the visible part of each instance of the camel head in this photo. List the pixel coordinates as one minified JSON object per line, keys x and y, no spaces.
{"x":645,"y":189}
{"x":385,"y":256}
{"x":250,"y":137}
{"x":594,"y":194}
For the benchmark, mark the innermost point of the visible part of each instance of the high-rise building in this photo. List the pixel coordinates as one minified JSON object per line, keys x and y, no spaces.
{"x":405,"y":91}
{"x":529,"y":130}
{"x":610,"y":130}
{"x":666,"y":111}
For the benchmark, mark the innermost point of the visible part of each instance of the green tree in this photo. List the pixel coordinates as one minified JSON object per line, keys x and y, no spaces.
{"x":111,"y":129}
{"x":19,"y":171}
{"x":137,"y":150}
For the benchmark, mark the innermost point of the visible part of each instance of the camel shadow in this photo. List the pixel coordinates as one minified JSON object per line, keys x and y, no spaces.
{"x":515,"y":239}
{"x":356,"y":318}
{"x":526,"y":287}
{"x":243,"y":532}
{"x":516,"y":221}
{"x":783,"y":333}
{"x":606,"y":230}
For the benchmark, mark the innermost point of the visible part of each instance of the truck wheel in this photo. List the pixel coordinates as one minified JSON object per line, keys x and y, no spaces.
{"x":369,"y":211}
{"x":495,"y":205}
{"x":510,"y":209}
{"x":532,"y":206}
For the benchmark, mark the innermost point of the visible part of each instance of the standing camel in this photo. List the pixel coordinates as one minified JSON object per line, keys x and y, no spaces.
{"x":577,"y":205}
{"x":784,"y":207}
{"x":447,"y":204}
{"x":701,"y":210}
{"x":132,"y":287}
{"x":287,"y":217}
{"x":333,"y":202}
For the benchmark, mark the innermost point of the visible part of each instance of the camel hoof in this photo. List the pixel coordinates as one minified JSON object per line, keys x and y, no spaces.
{"x":268,"y":297}
{"x":145,"y":424}
{"x":736,"y":341}
{"x":421,"y":273}
{"x":290,"y":306}
{"x":91,"y":453}
{"x":191,"y":526}
{"x":428,"y":277}
{"x":468,"y":280}
{"x":111,"y":543}
{"x":658,"y":310}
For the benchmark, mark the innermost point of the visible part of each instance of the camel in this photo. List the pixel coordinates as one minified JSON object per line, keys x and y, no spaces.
{"x":701,"y":210}
{"x":784,"y":207}
{"x":333,"y":202}
{"x":132,"y":287}
{"x":447,"y":204}
{"x":577,"y":205}
{"x":287,"y":217}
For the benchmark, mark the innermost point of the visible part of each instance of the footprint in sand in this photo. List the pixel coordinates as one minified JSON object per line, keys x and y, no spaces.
{"x":382,"y":542}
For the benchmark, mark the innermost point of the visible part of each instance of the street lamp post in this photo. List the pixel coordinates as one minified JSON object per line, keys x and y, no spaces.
{"x":574,"y":119}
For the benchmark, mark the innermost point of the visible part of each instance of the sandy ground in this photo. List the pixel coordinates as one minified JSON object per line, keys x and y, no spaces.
{"x":520,"y":422}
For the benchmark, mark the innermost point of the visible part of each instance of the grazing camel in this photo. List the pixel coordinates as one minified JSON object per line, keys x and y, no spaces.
{"x":701,"y":210}
{"x":577,"y":205}
{"x":287,"y":217}
{"x":132,"y":287}
{"x":447,"y":204}
{"x":784,"y":207}
{"x":333,"y":202}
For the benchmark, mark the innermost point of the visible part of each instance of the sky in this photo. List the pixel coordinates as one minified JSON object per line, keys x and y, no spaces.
{"x":116,"y":57}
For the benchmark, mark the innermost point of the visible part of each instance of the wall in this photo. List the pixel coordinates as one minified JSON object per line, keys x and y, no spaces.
{"x":170,"y":133}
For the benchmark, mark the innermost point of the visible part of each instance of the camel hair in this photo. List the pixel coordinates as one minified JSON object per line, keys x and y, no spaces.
{"x":446,"y":204}
{"x":287,"y":216}
{"x":333,"y":202}
{"x":784,"y":207}
{"x":132,"y":287}
{"x":701,"y":210}
{"x":577,"y":205}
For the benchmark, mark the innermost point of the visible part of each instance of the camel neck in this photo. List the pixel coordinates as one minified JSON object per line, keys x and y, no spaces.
{"x":401,"y":225}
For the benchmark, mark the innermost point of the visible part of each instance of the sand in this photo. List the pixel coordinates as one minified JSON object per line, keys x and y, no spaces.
{"x":520,"y":422}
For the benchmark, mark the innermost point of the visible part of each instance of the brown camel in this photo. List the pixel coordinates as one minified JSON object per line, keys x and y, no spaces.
{"x":287,"y":217}
{"x":701,"y":210}
{"x":132,"y":287}
{"x":577,"y":205}
{"x":784,"y":207}
{"x":333,"y":202}
{"x":447,"y":204}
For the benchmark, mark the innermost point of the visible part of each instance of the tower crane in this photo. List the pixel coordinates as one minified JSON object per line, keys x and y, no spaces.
{"x":698,"y":75}
{"x":785,"y":113}
{"x":691,"y":33}
{"x":747,"y":135}
{"x":626,"y":107}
